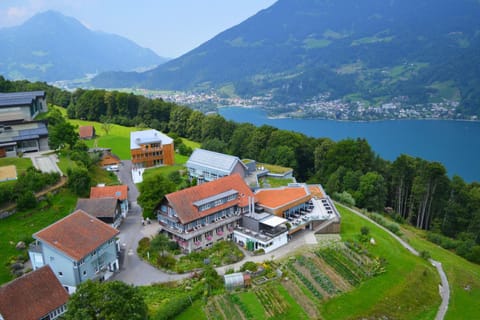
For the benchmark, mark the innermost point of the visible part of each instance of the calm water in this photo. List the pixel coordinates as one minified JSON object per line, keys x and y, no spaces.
{"x":456,"y":144}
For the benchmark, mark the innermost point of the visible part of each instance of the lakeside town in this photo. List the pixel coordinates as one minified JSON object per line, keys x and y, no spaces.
{"x":321,"y":106}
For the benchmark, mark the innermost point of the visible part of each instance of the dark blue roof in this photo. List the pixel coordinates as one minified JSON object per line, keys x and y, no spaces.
{"x":19,"y":98}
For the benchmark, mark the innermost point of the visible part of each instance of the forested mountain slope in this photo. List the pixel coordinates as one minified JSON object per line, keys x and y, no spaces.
{"x":372,"y":50}
{"x":51,"y":46}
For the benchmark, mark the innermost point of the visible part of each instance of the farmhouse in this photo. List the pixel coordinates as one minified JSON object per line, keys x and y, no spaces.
{"x":78,"y":247}
{"x":35,"y":295}
{"x":119,"y":192}
{"x":198,"y":216}
{"x":207,"y":165}
{"x":105,"y":209}
{"x":151,"y":148}
{"x":22,"y":106}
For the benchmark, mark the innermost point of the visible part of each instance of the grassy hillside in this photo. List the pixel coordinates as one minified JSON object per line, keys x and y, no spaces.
{"x":21,"y":226}
{"x":463,"y":276}
{"x":408,"y":289}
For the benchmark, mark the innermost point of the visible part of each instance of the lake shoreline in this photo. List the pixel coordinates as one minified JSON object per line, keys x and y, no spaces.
{"x":453,"y":143}
{"x":282,"y":116}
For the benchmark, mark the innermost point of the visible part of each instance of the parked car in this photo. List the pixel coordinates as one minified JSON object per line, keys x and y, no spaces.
{"x":112,"y":168}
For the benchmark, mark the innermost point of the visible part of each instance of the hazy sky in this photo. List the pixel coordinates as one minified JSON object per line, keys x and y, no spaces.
{"x":169,"y":27}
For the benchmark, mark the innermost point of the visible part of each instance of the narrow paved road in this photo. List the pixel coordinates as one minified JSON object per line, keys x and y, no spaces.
{"x":444,"y":288}
{"x":133,"y":269}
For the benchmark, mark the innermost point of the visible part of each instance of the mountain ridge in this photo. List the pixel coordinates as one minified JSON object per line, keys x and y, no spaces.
{"x":296,"y":50}
{"x":51,"y":46}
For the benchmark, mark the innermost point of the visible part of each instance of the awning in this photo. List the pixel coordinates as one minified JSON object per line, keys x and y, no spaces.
{"x":273,"y":221}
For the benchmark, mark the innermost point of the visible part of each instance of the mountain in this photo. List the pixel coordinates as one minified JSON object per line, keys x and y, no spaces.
{"x":51,"y":46}
{"x":419,"y":51}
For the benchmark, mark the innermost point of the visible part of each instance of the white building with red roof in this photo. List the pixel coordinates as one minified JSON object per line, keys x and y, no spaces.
{"x":78,"y":247}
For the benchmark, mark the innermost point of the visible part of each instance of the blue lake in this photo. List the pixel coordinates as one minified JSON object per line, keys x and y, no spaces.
{"x":456,"y":144}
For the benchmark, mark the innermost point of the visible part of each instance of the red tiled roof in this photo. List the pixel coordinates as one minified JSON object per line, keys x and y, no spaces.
{"x":119,"y":192}
{"x":32,"y":296}
{"x":86,"y":131}
{"x":182,"y":201}
{"x":77,"y":234}
{"x":274,"y":198}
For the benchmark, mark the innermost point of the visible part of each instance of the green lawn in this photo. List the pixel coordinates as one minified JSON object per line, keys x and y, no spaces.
{"x":407,"y":290}
{"x":195,"y":311}
{"x":20,"y":227}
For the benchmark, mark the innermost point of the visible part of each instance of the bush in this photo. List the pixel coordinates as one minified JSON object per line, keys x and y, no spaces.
{"x":345,"y":198}
{"x":425,"y":254}
{"x":26,"y":200}
{"x":443,"y":241}
{"x":250,"y":266}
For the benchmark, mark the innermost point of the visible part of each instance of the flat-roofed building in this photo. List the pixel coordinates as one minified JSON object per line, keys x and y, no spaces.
{"x":150,"y":148}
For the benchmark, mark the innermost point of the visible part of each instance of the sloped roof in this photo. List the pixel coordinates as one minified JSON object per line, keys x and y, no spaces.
{"x":137,"y":138}
{"x":32,"y":296}
{"x":99,"y":208}
{"x":211,"y":159}
{"x":119,"y":192}
{"x":279,"y":197}
{"x":86,"y":131}
{"x":183,"y":201}
{"x":24,"y":131}
{"x":76,"y":235}
{"x":19,"y":98}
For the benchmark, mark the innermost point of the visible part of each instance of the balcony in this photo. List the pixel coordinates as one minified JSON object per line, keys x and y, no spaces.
{"x":200,"y":230}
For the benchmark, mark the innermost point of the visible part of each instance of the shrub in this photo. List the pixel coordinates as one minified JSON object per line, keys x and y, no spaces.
{"x":345,"y":198}
{"x":425,"y":254}
{"x":26,"y":200}
{"x":443,"y":241}
{"x":250,"y":266}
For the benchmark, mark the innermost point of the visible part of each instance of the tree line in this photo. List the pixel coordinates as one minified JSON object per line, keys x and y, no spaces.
{"x":411,"y":190}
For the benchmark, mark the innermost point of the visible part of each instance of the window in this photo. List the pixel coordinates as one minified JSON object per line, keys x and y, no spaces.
{"x":84,"y":272}
{"x":60,"y":273}
{"x":52,"y":259}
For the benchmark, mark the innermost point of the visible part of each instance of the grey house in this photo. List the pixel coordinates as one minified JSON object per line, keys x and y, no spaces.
{"x":207,"y":165}
{"x":107,"y":210}
{"x":77,"y":248}
{"x":22,"y":106}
